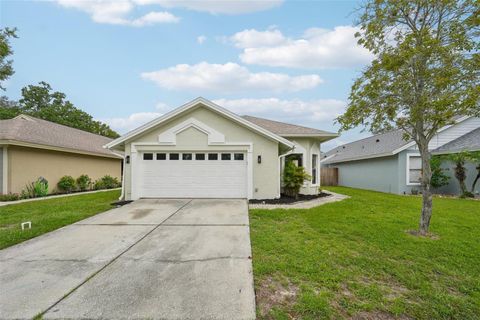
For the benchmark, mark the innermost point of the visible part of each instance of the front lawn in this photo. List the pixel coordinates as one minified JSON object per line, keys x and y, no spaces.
{"x":50,"y":214}
{"x":354,"y":259}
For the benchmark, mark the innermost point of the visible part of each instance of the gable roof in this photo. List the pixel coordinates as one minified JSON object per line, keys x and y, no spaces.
{"x":288,"y":130}
{"x":375,"y":146}
{"x":193,"y":104}
{"x":380,"y":145}
{"x":27,"y":130}
{"x":469,"y":141}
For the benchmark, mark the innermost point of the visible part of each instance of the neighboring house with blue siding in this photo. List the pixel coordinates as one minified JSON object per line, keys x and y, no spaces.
{"x":388,"y":163}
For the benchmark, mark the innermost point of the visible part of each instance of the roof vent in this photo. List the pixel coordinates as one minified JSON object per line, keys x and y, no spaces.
{"x":343,"y":147}
{"x":378,"y":140}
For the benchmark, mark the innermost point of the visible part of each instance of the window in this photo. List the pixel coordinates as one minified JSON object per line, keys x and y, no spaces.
{"x":187,"y":156}
{"x":238,"y":156}
{"x":297,"y":158}
{"x":200,"y":156}
{"x":174,"y":156}
{"x":161,"y":156}
{"x":148,"y":156}
{"x":314,"y":168}
{"x":226,"y":156}
{"x":213,"y":156}
{"x":414,"y":169}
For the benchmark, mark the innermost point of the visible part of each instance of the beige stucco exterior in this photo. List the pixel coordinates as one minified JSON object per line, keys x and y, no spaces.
{"x":26,"y":164}
{"x":265,"y":175}
{"x":307,"y":147}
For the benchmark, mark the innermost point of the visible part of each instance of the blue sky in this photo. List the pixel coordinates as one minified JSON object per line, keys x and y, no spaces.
{"x":126,"y":62}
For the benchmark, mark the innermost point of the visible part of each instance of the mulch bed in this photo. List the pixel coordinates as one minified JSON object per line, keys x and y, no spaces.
{"x":289,"y":200}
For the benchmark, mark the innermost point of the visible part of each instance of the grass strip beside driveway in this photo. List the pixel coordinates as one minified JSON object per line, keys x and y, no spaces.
{"x":354,"y":259}
{"x":50,"y":214}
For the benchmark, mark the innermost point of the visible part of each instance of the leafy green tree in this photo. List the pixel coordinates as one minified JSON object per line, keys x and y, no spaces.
{"x":425,"y":72}
{"x":8,"y":108}
{"x":439,"y":178}
{"x":41,"y":102}
{"x":6,"y":68}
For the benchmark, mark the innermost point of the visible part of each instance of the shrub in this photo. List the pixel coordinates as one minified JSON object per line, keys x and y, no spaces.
{"x":107,"y":182}
{"x":66,"y":184}
{"x":293,"y":178}
{"x":9,"y":197}
{"x":439,"y":178}
{"x":36,"y":189}
{"x":84,"y":182}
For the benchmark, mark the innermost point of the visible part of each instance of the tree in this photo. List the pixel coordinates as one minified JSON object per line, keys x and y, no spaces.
{"x":8,"y":108}
{"x":6,"y":69}
{"x":41,"y":102}
{"x":459,"y":159}
{"x":439,"y":178}
{"x":425,"y":72}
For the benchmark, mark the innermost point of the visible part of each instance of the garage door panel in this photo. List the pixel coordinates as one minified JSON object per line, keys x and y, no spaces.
{"x":193,"y":179}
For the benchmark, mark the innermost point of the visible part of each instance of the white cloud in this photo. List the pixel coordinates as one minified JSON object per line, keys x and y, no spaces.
{"x":217,"y":6}
{"x":117,"y":12}
{"x":317,"y":48}
{"x":201,"y":39}
{"x":318,"y":113}
{"x":253,"y":38}
{"x":228,"y":78}
{"x":133,"y":121}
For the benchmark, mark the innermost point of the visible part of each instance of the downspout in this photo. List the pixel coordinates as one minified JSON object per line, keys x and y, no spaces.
{"x":122,"y":194}
{"x":280,"y":168}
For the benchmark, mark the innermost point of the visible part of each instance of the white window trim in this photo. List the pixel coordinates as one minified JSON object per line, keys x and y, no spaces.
{"x":407,"y":173}
{"x":317,"y":184}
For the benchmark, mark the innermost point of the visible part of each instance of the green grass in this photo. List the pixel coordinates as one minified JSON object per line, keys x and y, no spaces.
{"x":354,"y":258}
{"x":51,"y":214}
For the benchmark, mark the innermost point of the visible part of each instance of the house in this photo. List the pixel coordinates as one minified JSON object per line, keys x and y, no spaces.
{"x":201,"y":150}
{"x":31,"y":148}
{"x":387,"y":163}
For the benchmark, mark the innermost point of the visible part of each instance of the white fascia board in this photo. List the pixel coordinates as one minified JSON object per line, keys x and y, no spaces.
{"x":188,"y":106}
{"x":412,"y":143}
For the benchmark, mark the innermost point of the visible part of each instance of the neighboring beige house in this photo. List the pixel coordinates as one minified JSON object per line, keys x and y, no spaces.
{"x":201,"y":150}
{"x":31,"y":148}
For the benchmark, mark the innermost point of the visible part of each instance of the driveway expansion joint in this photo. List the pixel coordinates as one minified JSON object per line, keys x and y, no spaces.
{"x":110,"y":262}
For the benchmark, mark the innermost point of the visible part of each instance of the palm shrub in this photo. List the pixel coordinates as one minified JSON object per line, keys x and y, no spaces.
{"x":293,"y":178}
{"x":84,"y":182}
{"x":66,"y":184}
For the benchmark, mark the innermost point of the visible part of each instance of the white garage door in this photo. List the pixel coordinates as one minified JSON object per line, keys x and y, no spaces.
{"x":192,"y":175}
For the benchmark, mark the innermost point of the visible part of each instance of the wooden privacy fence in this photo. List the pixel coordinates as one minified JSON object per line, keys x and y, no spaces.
{"x":329,"y":176}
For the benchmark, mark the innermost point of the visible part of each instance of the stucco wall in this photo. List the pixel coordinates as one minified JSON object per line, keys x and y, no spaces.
{"x":265,"y":175}
{"x":310,"y":146}
{"x":452,"y":188}
{"x":25,"y":165}
{"x":1,"y":170}
{"x":379,"y":174}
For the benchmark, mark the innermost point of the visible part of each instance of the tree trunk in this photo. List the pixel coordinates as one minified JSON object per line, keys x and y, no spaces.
{"x":476,"y":179}
{"x":426,"y":192}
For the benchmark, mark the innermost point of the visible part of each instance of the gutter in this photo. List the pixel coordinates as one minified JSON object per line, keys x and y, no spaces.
{"x":122,"y":194}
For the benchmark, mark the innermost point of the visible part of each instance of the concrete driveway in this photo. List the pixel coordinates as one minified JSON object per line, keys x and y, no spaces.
{"x":169,"y":259}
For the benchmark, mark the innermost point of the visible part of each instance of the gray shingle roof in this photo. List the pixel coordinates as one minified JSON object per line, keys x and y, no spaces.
{"x":37,"y":131}
{"x":371,"y":147}
{"x":286,"y":129}
{"x":469,"y":141}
